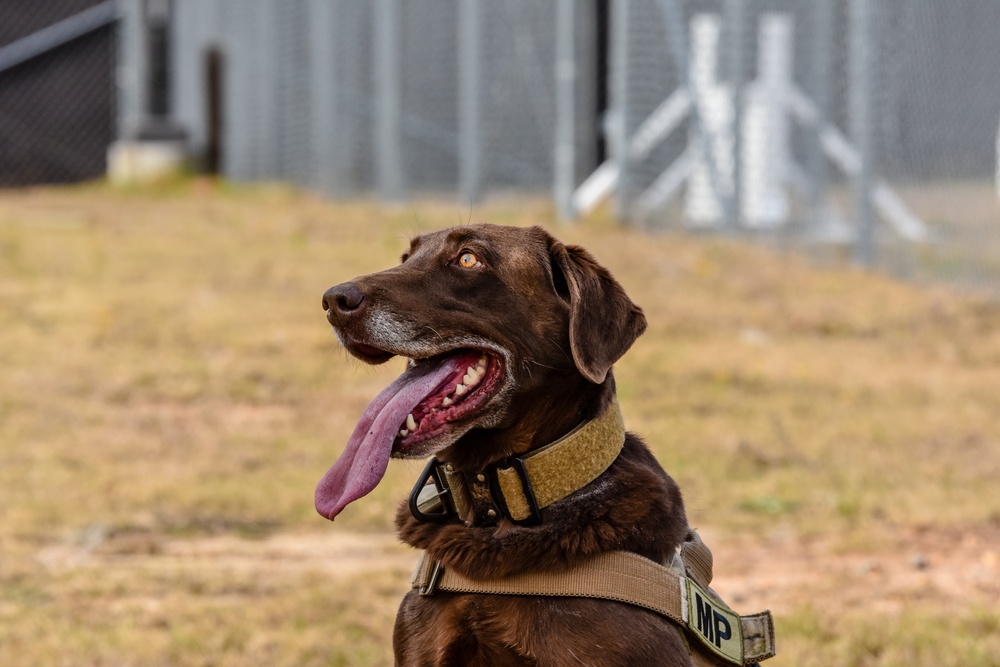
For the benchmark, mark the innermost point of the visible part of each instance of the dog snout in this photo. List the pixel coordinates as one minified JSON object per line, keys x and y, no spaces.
{"x":343,"y":301}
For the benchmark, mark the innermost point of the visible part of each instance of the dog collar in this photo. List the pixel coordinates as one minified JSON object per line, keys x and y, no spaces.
{"x":519,"y":487}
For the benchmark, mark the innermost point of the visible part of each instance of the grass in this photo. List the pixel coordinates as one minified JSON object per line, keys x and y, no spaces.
{"x":169,"y":381}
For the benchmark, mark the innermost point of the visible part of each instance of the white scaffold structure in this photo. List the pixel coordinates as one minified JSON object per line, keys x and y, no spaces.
{"x":768,"y":172}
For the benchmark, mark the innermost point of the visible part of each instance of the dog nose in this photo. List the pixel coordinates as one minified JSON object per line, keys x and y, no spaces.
{"x":343,"y":300}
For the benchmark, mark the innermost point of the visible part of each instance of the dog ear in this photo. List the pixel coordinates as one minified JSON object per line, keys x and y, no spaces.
{"x":603,"y":321}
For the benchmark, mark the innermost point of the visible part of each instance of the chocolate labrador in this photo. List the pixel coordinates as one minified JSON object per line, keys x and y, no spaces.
{"x":509,"y":337}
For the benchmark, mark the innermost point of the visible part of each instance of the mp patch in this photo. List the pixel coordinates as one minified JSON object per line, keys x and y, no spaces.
{"x":717,"y":627}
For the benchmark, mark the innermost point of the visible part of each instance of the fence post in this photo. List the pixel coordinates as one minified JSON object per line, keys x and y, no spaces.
{"x":387,"y":94}
{"x":470,"y":171}
{"x":734,"y":14}
{"x":822,"y":40}
{"x":325,"y":118}
{"x":565,"y":154}
{"x":998,"y":163}
{"x":618,"y":130}
{"x":861,"y":64}
{"x":133,"y":74}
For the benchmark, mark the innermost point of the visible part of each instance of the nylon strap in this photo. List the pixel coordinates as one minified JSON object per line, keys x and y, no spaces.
{"x":632,"y":579}
{"x":566,"y":465}
{"x":697,"y":558}
{"x":552,"y":472}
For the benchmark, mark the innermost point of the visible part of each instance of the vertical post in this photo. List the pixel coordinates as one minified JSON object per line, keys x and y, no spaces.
{"x":387,"y":94}
{"x":861,"y":65}
{"x":266,"y":84}
{"x":243,"y":129}
{"x":133,"y":73}
{"x":565,"y":155}
{"x":820,"y":74}
{"x":470,"y":179}
{"x":734,"y":16}
{"x":998,"y":163}
{"x":618,"y":132}
{"x":324,"y":116}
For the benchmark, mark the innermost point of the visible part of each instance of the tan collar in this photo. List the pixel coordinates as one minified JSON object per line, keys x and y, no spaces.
{"x":519,"y":487}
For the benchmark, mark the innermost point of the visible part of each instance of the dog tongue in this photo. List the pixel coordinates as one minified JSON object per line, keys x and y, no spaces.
{"x":363,"y":462}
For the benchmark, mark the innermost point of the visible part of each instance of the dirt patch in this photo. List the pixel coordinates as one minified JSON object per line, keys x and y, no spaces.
{"x":339,"y":553}
{"x":956,"y":568}
{"x":960,"y":569}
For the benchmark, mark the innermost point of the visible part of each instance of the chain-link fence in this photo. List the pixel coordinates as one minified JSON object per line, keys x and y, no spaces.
{"x":866,"y":126}
{"x":387,"y":97}
{"x":56,"y":73}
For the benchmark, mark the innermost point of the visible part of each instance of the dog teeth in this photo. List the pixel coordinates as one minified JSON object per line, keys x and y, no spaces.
{"x":473,"y":375}
{"x":403,"y":433}
{"x":411,"y":423}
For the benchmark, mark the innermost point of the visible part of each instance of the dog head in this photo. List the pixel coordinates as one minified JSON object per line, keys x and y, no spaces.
{"x":498,"y":325}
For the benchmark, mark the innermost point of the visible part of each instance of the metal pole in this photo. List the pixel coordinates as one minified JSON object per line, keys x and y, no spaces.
{"x":263,"y":81}
{"x":618,"y":130}
{"x":133,"y":73}
{"x":735,"y":27}
{"x":324,"y":114}
{"x":387,"y":83}
{"x":470,"y":179}
{"x":57,"y":34}
{"x":861,"y":64}
{"x":822,"y":50}
{"x":242,"y":127}
{"x":565,"y":154}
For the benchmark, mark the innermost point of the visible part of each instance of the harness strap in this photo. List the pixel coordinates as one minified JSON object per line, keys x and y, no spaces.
{"x":697,"y":557}
{"x":632,"y":579}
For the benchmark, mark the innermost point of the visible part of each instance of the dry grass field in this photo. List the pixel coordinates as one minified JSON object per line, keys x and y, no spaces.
{"x":170,"y":393}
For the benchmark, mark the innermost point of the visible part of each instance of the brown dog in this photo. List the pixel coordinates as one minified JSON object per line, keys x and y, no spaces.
{"x":510,"y":337}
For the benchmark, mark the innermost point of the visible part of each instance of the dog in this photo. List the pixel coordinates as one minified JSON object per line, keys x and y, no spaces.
{"x":510,"y":337}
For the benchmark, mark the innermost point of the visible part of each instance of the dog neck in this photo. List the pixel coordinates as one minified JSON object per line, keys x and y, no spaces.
{"x":602,"y":516}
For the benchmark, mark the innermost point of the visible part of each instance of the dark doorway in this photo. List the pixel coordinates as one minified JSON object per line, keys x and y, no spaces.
{"x":214,"y":72}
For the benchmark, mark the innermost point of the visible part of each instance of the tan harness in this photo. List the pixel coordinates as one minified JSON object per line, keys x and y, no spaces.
{"x":520,"y":487}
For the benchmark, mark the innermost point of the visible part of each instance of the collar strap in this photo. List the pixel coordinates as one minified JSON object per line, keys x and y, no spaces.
{"x":519,"y":487}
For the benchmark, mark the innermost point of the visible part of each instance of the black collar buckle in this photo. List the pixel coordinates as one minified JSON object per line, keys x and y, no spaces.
{"x":430,"y":499}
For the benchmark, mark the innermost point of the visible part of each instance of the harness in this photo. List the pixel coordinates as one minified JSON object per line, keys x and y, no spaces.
{"x":519,"y":487}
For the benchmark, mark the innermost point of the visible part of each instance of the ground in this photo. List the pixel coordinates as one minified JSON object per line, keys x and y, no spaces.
{"x":171,"y":393}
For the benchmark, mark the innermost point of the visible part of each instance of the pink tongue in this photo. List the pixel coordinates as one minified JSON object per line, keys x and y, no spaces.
{"x":363,"y":462}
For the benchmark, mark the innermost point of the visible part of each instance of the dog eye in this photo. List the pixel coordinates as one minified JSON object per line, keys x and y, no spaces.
{"x":468,"y":260}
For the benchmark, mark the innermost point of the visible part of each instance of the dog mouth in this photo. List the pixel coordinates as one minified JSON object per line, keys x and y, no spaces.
{"x":474,"y":379}
{"x":424,"y":409}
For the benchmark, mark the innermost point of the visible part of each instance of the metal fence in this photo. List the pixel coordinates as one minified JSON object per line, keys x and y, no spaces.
{"x":864,"y":125}
{"x":384,"y":97}
{"x":56,"y":92}
{"x":868,"y":127}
